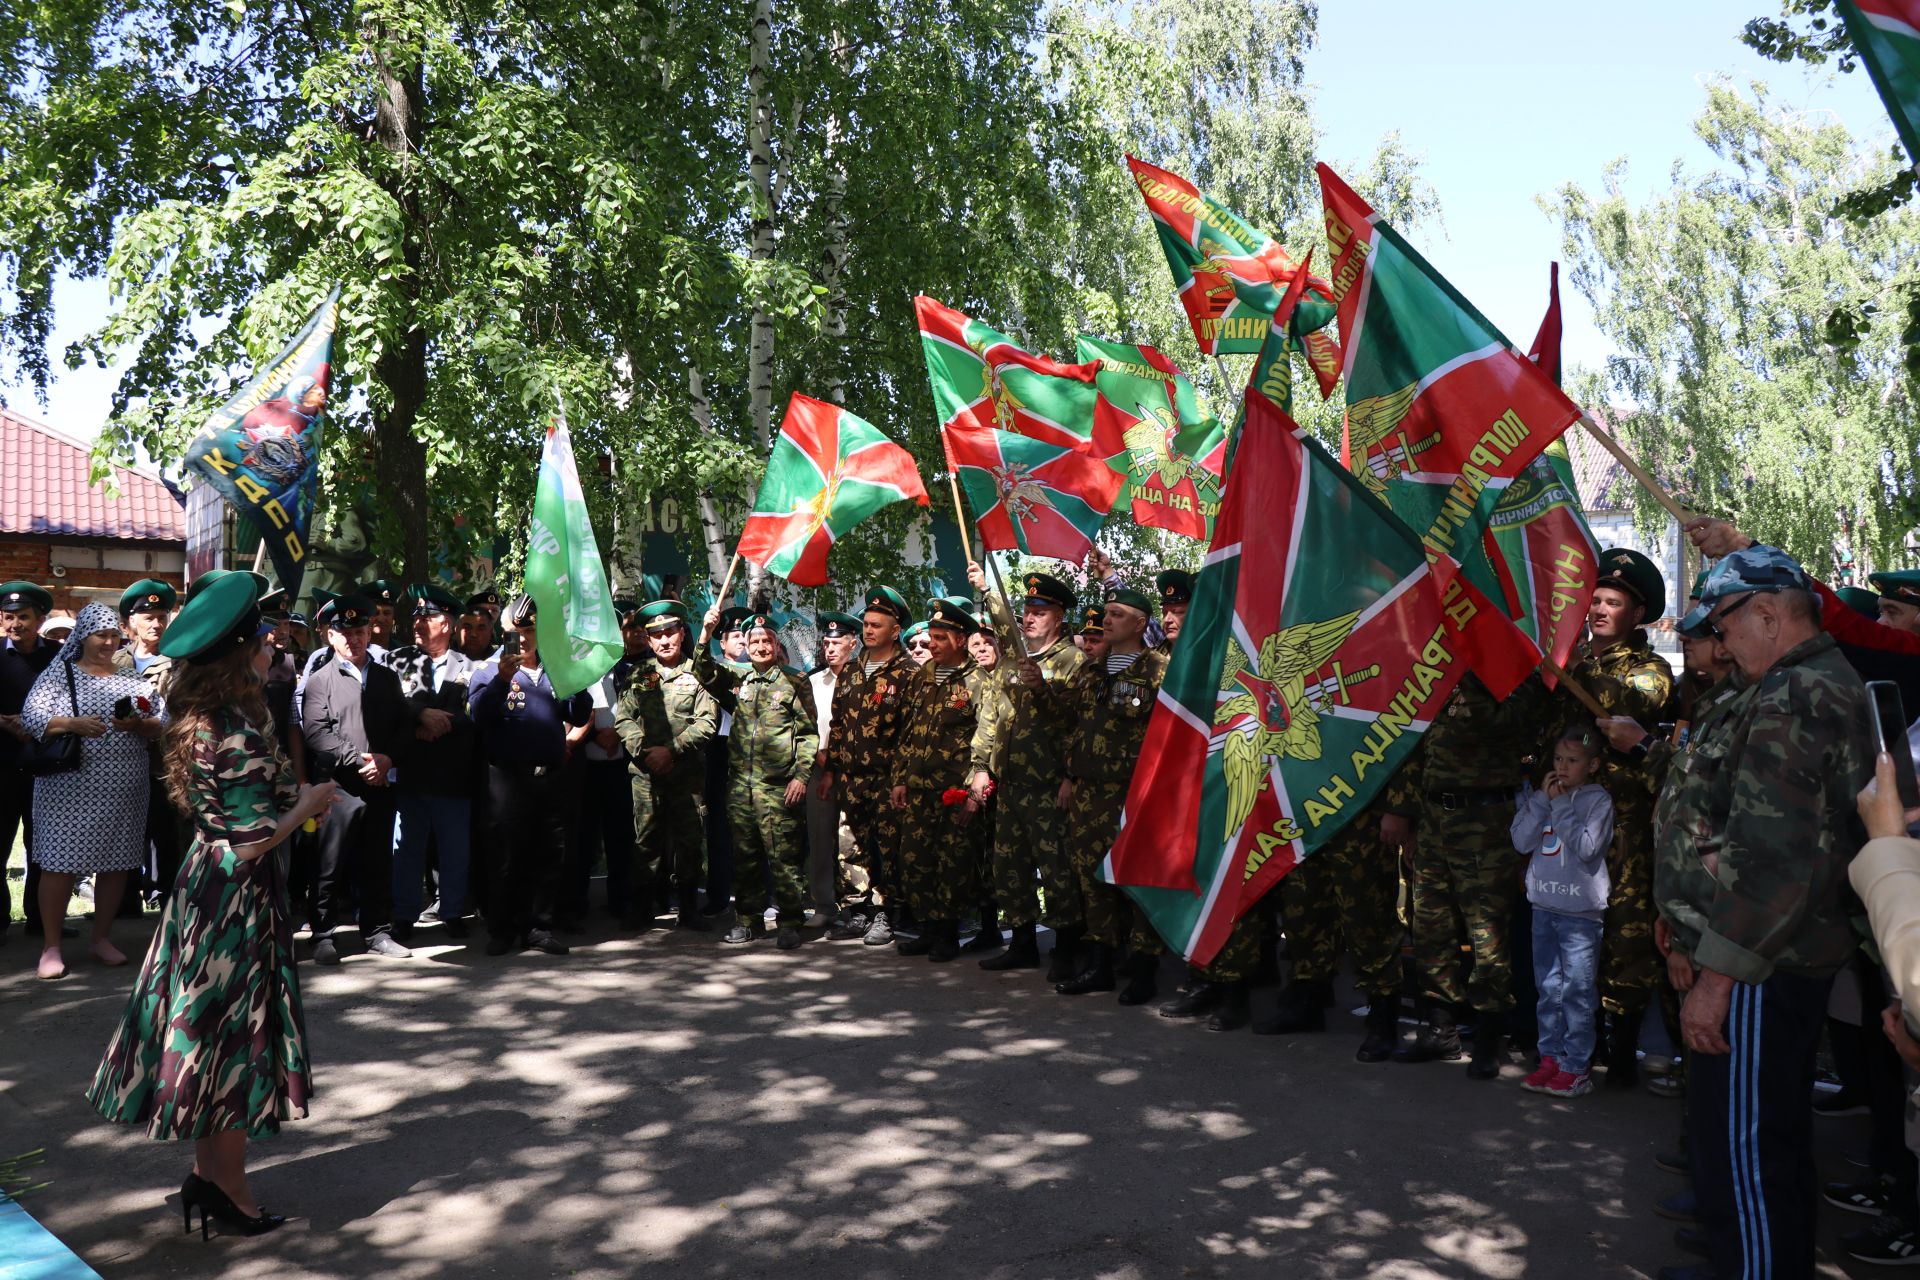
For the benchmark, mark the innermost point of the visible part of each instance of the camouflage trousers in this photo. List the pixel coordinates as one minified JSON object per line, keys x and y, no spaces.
{"x":1629,"y":963}
{"x":769,"y":850}
{"x":1093,"y":820}
{"x":1026,"y":847}
{"x":667,"y":815}
{"x":1347,"y":892}
{"x":1239,"y":955}
{"x":938,"y":859}
{"x":875,"y":823}
{"x":1466,"y":879}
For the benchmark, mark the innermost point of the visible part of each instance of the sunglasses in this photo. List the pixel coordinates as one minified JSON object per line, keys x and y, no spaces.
{"x":1715,"y":627}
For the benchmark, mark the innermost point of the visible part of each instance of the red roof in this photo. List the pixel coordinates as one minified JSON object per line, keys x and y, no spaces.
{"x":45,"y":490}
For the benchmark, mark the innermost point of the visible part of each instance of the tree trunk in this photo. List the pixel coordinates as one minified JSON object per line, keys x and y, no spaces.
{"x":399,"y":458}
{"x":765,"y":237}
{"x":713,"y":530}
{"x":629,"y":540}
{"x":833,"y":267}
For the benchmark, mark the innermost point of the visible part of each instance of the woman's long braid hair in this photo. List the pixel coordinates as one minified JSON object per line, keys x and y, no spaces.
{"x":199,"y":693}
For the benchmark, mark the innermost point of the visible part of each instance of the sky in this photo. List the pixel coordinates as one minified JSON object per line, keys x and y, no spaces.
{"x":1505,"y":100}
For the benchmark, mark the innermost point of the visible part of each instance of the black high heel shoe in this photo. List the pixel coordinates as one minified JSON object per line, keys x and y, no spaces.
{"x":212,"y":1201}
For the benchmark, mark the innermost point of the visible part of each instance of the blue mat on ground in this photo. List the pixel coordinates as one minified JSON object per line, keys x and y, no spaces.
{"x":28,"y":1250}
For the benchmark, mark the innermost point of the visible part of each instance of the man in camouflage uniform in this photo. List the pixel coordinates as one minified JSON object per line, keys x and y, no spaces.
{"x":1348,"y":891}
{"x":1449,"y":809}
{"x":1103,"y":713}
{"x":869,"y":703}
{"x":1026,"y":763}
{"x":1749,"y":878}
{"x":666,"y":718}
{"x":1092,"y":636}
{"x":929,"y":782}
{"x":770,"y":753}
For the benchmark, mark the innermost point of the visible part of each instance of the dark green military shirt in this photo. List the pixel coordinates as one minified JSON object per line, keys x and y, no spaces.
{"x":1475,"y":745}
{"x":666,"y":707}
{"x":1019,"y":741}
{"x":936,"y":744}
{"x":1757,"y":823}
{"x":775,"y":732}
{"x":869,"y":708}
{"x":1629,"y":679}
{"x":1107,"y":716}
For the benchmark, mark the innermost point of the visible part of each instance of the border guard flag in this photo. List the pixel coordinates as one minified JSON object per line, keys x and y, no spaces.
{"x":578,"y":633}
{"x":1887,"y":34}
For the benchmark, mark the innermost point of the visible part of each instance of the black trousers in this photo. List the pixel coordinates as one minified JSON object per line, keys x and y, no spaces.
{"x":527,"y":814}
{"x":354,"y":878}
{"x":164,"y":843}
{"x":719,"y":830}
{"x":1750,"y":1130}
{"x":603,"y":823}
{"x":16,"y":814}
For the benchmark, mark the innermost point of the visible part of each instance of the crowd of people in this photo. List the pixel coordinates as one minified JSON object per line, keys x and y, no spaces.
{"x":1667,"y":881}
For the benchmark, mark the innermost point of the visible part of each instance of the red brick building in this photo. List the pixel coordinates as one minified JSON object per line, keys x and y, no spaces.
{"x":71,"y":537}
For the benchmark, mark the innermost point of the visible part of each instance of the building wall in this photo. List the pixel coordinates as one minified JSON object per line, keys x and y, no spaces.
{"x":78,"y":575}
{"x":1616,"y":529}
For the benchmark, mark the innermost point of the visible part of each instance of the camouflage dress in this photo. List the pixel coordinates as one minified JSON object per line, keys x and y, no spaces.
{"x":213,"y":1038}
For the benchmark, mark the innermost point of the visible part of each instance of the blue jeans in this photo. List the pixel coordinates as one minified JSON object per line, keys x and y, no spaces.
{"x":1566,"y":962}
{"x":430,"y":821}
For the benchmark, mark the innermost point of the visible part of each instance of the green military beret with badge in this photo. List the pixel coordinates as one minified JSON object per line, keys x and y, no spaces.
{"x":1093,"y":621}
{"x":1860,"y":600}
{"x":223,"y":616}
{"x":1758,"y":568}
{"x":1175,"y":586}
{"x":837,"y":624}
{"x":431,"y":597}
{"x":664,"y":615}
{"x":149,"y":595}
{"x":952,"y":613}
{"x":15,"y":596}
{"x":1631,"y":572}
{"x":259,"y":580}
{"x":351,"y":611}
{"x":759,"y":622}
{"x":887,"y":600}
{"x":1899,"y":585}
{"x":1044,"y":588}
{"x":1131,"y":597}
{"x":380,"y":591}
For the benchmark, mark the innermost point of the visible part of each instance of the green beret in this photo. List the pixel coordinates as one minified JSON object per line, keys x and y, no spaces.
{"x":837,"y":624}
{"x":380,"y":591}
{"x":1132,"y":599}
{"x":431,"y":597}
{"x":220,"y":617}
{"x":1047,"y":589}
{"x":1093,"y":621}
{"x":734,"y":619}
{"x":1631,"y":572}
{"x":350,"y":611}
{"x":15,"y":596}
{"x":663,"y":614}
{"x":1901,"y":585}
{"x":1175,"y":586}
{"x":1860,"y":600}
{"x":148,"y":595}
{"x":952,"y":613}
{"x":913,"y":631}
{"x":887,"y":600}
{"x":211,"y":576}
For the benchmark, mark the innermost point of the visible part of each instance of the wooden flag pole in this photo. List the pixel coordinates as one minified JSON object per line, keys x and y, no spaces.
{"x":998,"y":581}
{"x":1634,"y":469}
{"x":959,"y":512}
{"x":1579,"y":691}
{"x":993,"y":566}
{"x":720,"y":597}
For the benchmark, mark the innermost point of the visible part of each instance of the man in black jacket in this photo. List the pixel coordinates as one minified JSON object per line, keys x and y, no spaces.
{"x":355,"y":717}
{"x":434,"y":793}
{"x":23,"y":607}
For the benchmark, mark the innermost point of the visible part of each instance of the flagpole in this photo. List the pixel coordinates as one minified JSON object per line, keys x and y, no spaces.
{"x":1579,"y":691}
{"x":959,"y":512}
{"x":259,"y":555}
{"x":993,"y":566}
{"x":1634,"y":469}
{"x":998,"y":581}
{"x":720,"y":598}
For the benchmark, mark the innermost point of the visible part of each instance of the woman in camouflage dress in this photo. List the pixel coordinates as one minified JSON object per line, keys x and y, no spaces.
{"x":212,"y":1044}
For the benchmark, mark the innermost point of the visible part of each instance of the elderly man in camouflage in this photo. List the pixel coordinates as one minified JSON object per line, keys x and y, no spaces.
{"x":1619,"y":668}
{"x":1027,"y":764}
{"x":1750,"y":864}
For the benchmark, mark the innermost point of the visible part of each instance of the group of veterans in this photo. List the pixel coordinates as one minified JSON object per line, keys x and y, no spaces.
{"x":949,"y":778}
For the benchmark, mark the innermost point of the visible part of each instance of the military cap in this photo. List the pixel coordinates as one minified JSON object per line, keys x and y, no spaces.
{"x":887,"y":600}
{"x":1758,"y":568}
{"x":1174,"y":585}
{"x":24,"y":595}
{"x":1901,"y":585}
{"x":211,"y":576}
{"x":274,"y":603}
{"x":952,"y":613}
{"x":754,"y":621}
{"x":487,"y":599}
{"x":353,"y":610}
{"x":148,"y":595}
{"x":1860,"y":600}
{"x":297,"y":618}
{"x":1093,"y":621}
{"x":220,"y":618}
{"x":913,"y":632}
{"x":521,"y":613}
{"x":837,"y":624}
{"x":1132,"y":598}
{"x":1633,"y":573}
{"x":1047,"y":589}
{"x":380,"y":591}
{"x":624,"y":607}
{"x":431,"y":597}
{"x":664,"y":615}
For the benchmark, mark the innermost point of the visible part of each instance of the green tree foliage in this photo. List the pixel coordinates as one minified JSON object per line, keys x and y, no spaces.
{"x":1759,"y":335}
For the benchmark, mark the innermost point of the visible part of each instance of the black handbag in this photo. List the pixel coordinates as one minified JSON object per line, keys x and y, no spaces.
{"x":59,"y":753}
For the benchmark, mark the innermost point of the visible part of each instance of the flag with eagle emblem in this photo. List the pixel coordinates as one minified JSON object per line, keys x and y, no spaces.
{"x":1149,"y":426}
{"x":1230,"y":275}
{"x":982,"y":381}
{"x":1029,"y":495}
{"x":828,"y":471}
{"x":261,"y":449}
{"x":1314,"y":655}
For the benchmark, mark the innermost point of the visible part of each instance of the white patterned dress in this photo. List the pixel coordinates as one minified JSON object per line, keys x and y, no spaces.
{"x":94,"y":818}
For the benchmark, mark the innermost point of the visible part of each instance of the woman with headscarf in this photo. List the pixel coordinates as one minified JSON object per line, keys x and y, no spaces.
{"x":91,"y":820}
{"x":213,"y":1044}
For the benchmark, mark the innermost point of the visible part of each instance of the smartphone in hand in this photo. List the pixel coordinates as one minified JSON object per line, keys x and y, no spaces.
{"x":1890,"y":731}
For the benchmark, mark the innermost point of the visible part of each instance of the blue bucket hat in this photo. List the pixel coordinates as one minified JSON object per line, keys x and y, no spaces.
{"x":1758,"y":568}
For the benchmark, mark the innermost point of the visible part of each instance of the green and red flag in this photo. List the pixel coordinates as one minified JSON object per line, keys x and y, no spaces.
{"x":1314,"y":655}
{"x":1230,"y":275}
{"x":1030,"y":495}
{"x":1150,"y":426}
{"x":828,"y":471}
{"x":982,"y":381}
{"x":1887,"y":34}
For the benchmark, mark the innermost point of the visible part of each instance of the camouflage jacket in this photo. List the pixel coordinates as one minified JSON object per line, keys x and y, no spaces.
{"x":1665,"y":753}
{"x":775,"y":732}
{"x":1758,"y":824}
{"x":1020,"y":739}
{"x":1475,"y":745}
{"x":941,"y":717}
{"x":158,"y":673}
{"x":1108,"y":716}
{"x":666,"y":707}
{"x":869,"y":710}
{"x":1629,"y":679}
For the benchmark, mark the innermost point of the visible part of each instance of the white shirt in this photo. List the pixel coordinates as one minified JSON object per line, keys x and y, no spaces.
{"x":823,"y":682}
{"x":602,"y":694}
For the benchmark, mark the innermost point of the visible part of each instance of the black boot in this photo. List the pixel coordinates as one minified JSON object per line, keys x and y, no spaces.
{"x":1066,"y":954}
{"x":946,"y":940}
{"x":1197,"y":997}
{"x":1383,"y":1029}
{"x":1303,"y":1007}
{"x":919,"y":944}
{"x":1438,"y":1039}
{"x":1143,"y":979}
{"x":988,"y":939}
{"x":1489,"y":1036}
{"x":689,"y":908}
{"x":1622,"y":1051}
{"x":1096,"y":972}
{"x":1021,"y":953}
{"x":1234,"y":1011}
